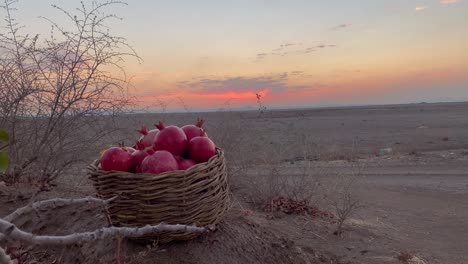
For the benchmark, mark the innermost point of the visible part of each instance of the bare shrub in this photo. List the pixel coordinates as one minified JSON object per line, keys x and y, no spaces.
{"x":279,"y":180}
{"x":261,"y":107}
{"x":59,"y":94}
{"x":290,"y":174}
{"x":226,"y":133}
{"x":342,"y":196}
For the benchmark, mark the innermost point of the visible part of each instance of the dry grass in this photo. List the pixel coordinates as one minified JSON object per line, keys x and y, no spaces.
{"x":275,"y":175}
{"x":286,"y":177}
{"x":273,"y":178}
{"x":410,"y":258}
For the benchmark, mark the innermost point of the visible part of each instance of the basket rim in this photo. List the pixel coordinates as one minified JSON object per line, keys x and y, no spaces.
{"x":197,"y":167}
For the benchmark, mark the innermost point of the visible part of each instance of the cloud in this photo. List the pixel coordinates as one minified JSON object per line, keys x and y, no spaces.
{"x":325,"y":46}
{"x":261,"y":55}
{"x":295,"y":73}
{"x":340,"y":26}
{"x":448,"y":2}
{"x":290,"y":44}
{"x":420,"y":8}
{"x":271,"y":82}
{"x":292,"y":49}
{"x":239,"y":83}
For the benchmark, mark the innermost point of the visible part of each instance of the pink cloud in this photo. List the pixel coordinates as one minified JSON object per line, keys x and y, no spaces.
{"x":420,"y":8}
{"x":447,"y":2}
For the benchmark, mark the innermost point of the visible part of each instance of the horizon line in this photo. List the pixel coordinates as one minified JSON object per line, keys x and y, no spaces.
{"x":279,"y":108}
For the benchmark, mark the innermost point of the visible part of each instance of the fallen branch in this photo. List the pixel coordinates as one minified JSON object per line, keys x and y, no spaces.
{"x":52,"y":204}
{"x":13,"y":232}
{"x":4,"y":258}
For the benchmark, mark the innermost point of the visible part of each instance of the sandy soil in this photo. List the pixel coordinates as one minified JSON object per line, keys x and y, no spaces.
{"x":414,"y":197}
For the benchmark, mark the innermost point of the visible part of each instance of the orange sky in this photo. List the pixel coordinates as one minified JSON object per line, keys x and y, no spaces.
{"x":211,"y":54}
{"x":401,"y":55}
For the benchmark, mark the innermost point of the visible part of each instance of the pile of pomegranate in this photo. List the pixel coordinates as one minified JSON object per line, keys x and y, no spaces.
{"x":165,"y":148}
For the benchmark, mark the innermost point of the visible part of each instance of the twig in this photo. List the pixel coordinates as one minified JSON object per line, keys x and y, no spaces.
{"x":119,"y":246}
{"x":106,"y":212}
{"x":317,"y":235}
{"x":4,"y":258}
{"x":13,"y":232}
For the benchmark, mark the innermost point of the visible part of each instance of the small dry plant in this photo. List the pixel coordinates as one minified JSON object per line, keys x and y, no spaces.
{"x":342,"y":196}
{"x":226,"y":133}
{"x":290,"y":187}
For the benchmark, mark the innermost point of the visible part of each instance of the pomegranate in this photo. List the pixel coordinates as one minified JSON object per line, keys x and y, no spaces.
{"x":147,"y":137}
{"x":192,"y":131}
{"x":185,"y":164}
{"x":201,"y":149}
{"x":116,"y":159}
{"x":161,"y":161}
{"x":138,"y":156}
{"x":171,"y":138}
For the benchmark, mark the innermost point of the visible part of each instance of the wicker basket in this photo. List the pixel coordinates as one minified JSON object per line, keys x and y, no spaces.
{"x":199,"y":195}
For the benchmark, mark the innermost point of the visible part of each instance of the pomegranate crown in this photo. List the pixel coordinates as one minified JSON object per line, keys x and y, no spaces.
{"x":143,"y":130}
{"x":200,"y":122}
{"x":139,"y":145}
{"x":160,"y":125}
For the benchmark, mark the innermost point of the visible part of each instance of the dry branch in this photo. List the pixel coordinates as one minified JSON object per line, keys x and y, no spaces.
{"x":13,"y":232}
{"x":52,"y":204}
{"x":7,"y":229}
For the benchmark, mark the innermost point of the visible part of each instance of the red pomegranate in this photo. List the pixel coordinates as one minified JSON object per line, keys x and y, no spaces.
{"x":171,"y":138}
{"x":192,"y":131}
{"x":161,"y":161}
{"x":116,"y":159}
{"x":201,"y":149}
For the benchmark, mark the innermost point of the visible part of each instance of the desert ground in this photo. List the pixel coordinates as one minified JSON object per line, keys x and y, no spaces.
{"x":405,"y":165}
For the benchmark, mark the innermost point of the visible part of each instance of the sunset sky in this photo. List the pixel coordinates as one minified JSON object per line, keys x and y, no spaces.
{"x":218,"y":54}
